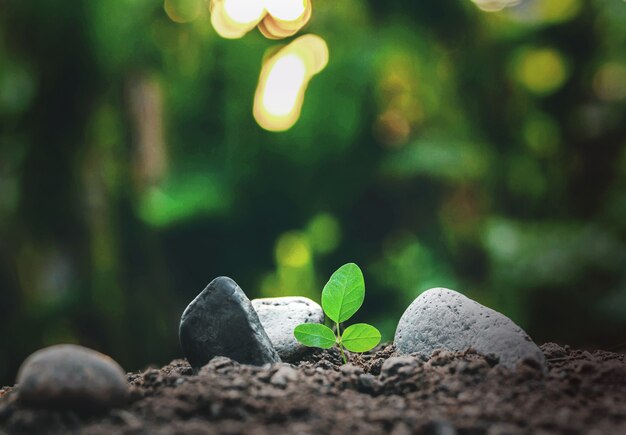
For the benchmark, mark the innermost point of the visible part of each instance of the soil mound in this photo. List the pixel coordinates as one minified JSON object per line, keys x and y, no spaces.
{"x":379,"y":392}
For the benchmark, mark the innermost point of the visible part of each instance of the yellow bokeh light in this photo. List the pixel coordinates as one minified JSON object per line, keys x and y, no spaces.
{"x":244,"y":11}
{"x":293,"y":250}
{"x":286,"y":10}
{"x":494,"y":5}
{"x":276,"y":19}
{"x":558,"y":11}
{"x":282,"y":22}
{"x":232,"y":19}
{"x":283,"y":84}
{"x":283,"y":81}
{"x":541,"y":70}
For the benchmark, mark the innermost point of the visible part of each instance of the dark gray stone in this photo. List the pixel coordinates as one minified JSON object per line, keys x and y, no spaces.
{"x":280,"y":316}
{"x":444,"y":319}
{"x":72,"y":377}
{"x":220,"y":321}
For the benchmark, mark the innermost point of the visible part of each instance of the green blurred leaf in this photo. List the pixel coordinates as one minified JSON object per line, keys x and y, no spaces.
{"x":344,"y":293}
{"x":442,"y":158}
{"x":183,"y":198}
{"x":315,"y":335}
{"x":360,"y":337}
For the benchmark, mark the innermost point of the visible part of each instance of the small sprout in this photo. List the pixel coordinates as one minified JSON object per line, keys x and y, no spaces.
{"x":342,"y":296}
{"x":315,"y":335}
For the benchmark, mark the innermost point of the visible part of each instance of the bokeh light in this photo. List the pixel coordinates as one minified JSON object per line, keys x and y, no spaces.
{"x":609,"y":82}
{"x":324,"y":233}
{"x":399,"y":100}
{"x":545,"y":12}
{"x":276,"y":19}
{"x":232,"y":19}
{"x":558,"y":11}
{"x":392,"y":128}
{"x":286,"y":10}
{"x":283,"y":84}
{"x":244,"y":12}
{"x":495,"y":5}
{"x":183,"y":11}
{"x":285,"y":18}
{"x":541,"y":70}
{"x":542,"y":135}
{"x":283,"y":81}
{"x":293,"y":249}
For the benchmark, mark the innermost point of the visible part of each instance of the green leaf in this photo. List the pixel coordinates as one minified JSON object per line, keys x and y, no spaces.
{"x":315,"y":335}
{"x":360,"y":337}
{"x":344,"y":293}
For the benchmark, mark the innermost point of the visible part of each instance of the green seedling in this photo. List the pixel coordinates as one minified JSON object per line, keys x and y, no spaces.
{"x":342,"y":297}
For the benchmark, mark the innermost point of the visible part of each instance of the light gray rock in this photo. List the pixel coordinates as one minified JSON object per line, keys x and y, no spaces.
{"x":220,"y":321}
{"x":279,"y":317}
{"x":70,"y":376}
{"x":444,"y":319}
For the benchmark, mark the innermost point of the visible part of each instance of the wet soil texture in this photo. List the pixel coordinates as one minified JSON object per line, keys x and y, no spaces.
{"x":450,"y":393}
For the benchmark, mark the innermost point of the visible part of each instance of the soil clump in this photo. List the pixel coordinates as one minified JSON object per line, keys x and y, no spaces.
{"x":378,"y":392}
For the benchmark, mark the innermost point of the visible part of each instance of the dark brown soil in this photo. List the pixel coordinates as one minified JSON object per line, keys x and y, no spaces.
{"x":447,"y":394}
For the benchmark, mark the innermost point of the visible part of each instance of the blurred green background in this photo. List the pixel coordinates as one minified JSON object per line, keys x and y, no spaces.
{"x":447,"y":143}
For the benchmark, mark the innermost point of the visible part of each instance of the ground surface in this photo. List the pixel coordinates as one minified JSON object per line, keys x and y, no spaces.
{"x":448,"y":394}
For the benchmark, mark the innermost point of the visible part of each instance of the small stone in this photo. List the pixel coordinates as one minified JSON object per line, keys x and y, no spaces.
{"x":444,"y":319}
{"x":283,"y":376}
{"x":70,"y":376}
{"x":220,"y":321}
{"x":280,"y":316}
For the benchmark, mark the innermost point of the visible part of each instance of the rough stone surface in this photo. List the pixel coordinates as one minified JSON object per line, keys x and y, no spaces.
{"x":70,"y":376}
{"x":220,"y":321}
{"x":444,"y":319}
{"x":279,"y":317}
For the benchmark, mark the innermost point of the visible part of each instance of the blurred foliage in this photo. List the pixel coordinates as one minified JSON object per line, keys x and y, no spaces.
{"x":456,"y":143}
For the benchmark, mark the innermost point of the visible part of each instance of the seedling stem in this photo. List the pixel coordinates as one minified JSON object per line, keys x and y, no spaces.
{"x":343,"y":354}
